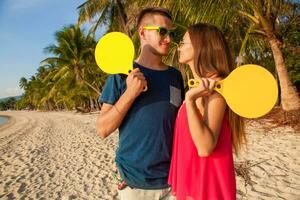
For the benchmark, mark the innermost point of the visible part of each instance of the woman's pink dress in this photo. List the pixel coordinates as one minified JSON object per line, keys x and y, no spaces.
{"x":201,"y":178}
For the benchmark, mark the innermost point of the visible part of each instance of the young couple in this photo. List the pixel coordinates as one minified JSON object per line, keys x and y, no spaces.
{"x":170,"y":149}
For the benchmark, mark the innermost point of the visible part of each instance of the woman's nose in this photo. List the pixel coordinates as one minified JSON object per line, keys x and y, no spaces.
{"x":178,"y":48}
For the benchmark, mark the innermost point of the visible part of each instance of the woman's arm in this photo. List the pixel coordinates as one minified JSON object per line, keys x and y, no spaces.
{"x":205,"y":130}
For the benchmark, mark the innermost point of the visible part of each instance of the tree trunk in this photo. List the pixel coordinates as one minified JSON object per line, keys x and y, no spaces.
{"x":91,"y":103}
{"x":289,"y":96}
{"x":92,"y":87}
{"x":99,"y":105}
{"x":65,"y":105}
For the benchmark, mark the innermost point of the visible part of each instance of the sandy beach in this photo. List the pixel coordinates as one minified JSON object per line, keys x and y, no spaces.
{"x":58,"y":155}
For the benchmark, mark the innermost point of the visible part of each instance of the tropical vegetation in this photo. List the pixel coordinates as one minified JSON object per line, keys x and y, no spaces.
{"x":264,"y":32}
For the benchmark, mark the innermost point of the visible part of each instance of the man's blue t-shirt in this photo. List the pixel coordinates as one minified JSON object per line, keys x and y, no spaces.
{"x":146,"y":133}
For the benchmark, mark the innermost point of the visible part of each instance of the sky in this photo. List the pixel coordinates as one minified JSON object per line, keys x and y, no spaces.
{"x":26,"y":28}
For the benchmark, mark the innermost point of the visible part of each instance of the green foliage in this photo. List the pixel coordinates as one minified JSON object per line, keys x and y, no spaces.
{"x":290,"y":32}
{"x":293,"y":65}
{"x":70,"y":78}
{"x":8,"y":104}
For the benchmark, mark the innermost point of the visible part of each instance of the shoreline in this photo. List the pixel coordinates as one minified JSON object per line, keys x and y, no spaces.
{"x":10,"y":121}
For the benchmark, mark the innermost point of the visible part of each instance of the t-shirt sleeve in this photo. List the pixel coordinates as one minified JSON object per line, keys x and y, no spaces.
{"x":112,"y":90}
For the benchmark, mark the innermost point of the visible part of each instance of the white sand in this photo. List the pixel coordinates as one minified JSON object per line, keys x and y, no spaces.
{"x":58,"y":155}
{"x":275,"y":154}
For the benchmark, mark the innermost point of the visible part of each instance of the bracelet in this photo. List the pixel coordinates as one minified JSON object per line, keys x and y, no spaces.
{"x":117,"y":109}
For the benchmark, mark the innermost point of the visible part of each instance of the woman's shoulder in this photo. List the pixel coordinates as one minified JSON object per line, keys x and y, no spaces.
{"x":216,"y":97}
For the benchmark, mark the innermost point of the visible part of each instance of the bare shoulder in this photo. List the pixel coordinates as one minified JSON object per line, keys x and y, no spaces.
{"x":216,"y":97}
{"x":216,"y":100}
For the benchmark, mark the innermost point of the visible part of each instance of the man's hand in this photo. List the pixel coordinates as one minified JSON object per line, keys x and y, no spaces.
{"x":135,"y":82}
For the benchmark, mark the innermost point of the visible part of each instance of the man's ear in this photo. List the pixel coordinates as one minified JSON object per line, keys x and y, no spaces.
{"x":141,"y":32}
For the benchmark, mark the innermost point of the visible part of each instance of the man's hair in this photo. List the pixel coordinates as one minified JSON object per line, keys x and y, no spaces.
{"x":152,"y":11}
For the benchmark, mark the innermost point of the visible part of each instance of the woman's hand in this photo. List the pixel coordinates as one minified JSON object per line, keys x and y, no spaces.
{"x":205,"y":88}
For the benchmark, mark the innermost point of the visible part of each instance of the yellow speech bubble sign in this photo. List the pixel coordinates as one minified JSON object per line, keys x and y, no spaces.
{"x":114,"y":53}
{"x":250,"y":90}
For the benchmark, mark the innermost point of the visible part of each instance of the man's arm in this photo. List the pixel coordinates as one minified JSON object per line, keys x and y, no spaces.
{"x":111,"y":116}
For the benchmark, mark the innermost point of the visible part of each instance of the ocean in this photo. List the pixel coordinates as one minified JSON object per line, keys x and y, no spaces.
{"x":3,"y":120}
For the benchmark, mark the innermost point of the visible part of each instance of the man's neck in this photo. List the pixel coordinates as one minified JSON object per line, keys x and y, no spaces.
{"x":151,"y":61}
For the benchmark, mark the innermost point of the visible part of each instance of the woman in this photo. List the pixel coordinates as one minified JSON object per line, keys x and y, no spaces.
{"x":206,"y":129}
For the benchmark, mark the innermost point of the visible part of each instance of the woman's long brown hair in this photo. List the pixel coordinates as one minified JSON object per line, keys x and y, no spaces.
{"x":212,"y":56}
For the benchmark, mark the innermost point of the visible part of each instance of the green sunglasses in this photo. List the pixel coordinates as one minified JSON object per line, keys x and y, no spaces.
{"x":162,"y":31}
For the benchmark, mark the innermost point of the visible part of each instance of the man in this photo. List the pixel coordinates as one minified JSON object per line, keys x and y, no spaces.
{"x":145,"y":118}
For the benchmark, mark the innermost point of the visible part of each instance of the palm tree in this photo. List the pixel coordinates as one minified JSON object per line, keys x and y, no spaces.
{"x":108,"y":12}
{"x":69,"y":78}
{"x":23,"y":83}
{"x":72,"y":53}
{"x":265,"y":18}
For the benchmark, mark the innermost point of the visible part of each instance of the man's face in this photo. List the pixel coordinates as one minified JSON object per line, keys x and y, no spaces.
{"x":152,"y":39}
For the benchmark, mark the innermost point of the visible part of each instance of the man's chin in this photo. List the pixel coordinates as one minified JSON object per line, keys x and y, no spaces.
{"x":164,"y":52}
{"x":161,"y":53}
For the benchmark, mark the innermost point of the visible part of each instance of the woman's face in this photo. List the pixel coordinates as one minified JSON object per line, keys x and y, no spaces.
{"x":186,"y":50}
